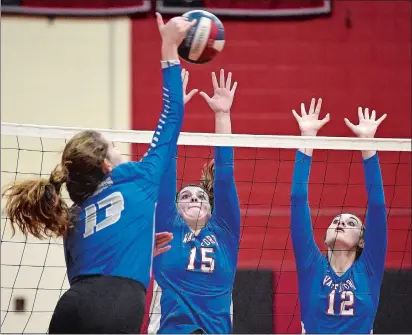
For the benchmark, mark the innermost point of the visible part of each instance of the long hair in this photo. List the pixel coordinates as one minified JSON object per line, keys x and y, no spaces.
{"x":207,"y":180}
{"x":36,"y":207}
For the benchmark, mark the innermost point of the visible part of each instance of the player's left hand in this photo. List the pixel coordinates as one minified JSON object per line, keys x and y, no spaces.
{"x":223,"y":93}
{"x":162,"y":239}
{"x":368,"y":125}
{"x":185,"y":80}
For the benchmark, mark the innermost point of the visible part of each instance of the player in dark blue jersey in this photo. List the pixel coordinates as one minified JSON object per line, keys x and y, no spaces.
{"x":339,"y":293}
{"x":109,"y":232}
{"x":194,"y":280}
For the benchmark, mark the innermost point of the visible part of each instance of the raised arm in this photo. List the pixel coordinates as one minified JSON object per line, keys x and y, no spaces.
{"x":375,"y":236}
{"x":226,"y":201}
{"x":166,"y":206}
{"x":164,"y":142}
{"x":304,"y":246}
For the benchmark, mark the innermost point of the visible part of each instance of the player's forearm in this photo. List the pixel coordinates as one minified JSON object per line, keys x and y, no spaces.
{"x":368,"y":154}
{"x":373,"y":181}
{"x":300,"y":179}
{"x":223,"y":123}
{"x":224,"y":163}
{"x":376,"y":228}
{"x":308,"y":152}
{"x":171,"y":118}
{"x":226,"y":198}
{"x":169,"y":52}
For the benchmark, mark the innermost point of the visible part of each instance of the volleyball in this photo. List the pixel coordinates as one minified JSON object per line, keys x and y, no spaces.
{"x":204,"y":40}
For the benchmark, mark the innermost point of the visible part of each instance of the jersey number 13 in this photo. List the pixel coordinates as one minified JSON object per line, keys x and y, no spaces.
{"x":114,"y":204}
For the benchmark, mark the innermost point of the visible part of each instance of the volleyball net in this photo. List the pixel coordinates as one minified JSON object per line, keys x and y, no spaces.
{"x":33,"y":272}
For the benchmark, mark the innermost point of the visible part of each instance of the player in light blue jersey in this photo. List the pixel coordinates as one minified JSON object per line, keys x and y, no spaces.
{"x":339,"y":293}
{"x":109,"y":232}
{"x":194,"y":280}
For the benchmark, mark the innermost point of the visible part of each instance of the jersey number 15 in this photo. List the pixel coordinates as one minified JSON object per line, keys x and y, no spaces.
{"x":114,"y":204}
{"x":207,"y":263}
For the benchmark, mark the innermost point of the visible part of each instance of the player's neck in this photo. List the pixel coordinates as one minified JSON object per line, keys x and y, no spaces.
{"x":341,"y":260}
{"x":196,"y":226}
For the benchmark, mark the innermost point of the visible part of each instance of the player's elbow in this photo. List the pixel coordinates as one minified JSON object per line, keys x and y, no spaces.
{"x":225,"y":173}
{"x":377,"y":209}
{"x":298,"y":198}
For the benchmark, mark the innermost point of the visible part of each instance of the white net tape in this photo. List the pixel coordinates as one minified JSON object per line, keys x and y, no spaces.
{"x":209,"y":139}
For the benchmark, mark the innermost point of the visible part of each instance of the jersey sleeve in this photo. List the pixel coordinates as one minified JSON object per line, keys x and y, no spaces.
{"x":304,"y":246}
{"x":166,"y":206}
{"x":155,"y":161}
{"x":226,"y":201}
{"x":375,"y":236}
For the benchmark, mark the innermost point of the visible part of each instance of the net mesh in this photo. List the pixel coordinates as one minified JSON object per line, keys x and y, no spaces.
{"x":33,"y":273}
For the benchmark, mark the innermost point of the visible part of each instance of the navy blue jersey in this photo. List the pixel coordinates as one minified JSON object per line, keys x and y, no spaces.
{"x":331,"y":303}
{"x":114,"y":231}
{"x":194,"y":280}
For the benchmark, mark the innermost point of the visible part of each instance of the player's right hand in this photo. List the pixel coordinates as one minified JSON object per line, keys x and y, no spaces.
{"x":309,"y":122}
{"x":175,"y":30}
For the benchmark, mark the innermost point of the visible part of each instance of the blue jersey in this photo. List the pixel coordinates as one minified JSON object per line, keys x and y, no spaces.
{"x":194,"y":280}
{"x":331,"y":303}
{"x":114,"y":231}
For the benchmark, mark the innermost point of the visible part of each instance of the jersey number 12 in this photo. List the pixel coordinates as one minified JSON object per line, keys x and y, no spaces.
{"x":346,"y":304}
{"x":114,"y":204}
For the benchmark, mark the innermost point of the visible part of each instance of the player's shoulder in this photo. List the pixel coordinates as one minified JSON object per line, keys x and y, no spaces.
{"x":317,"y":266}
{"x":131,"y":172}
{"x":360,"y":265}
{"x":125,"y":170}
{"x":217,"y":226}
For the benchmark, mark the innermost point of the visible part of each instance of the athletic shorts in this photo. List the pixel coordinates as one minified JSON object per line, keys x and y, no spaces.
{"x":100,"y":304}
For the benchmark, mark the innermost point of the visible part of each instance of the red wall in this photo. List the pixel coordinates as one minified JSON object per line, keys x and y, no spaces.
{"x":278,"y":65}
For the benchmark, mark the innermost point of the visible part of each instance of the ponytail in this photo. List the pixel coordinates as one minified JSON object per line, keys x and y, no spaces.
{"x":207,"y":180}
{"x":36,"y":207}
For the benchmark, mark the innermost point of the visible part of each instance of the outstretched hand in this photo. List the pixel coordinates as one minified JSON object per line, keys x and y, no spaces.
{"x":162,"y":239}
{"x":185,"y":80}
{"x":368,"y":125}
{"x":223,"y":94}
{"x":309,"y":122}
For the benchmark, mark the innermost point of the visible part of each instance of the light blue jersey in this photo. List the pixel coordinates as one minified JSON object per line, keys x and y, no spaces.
{"x":330,"y":303}
{"x":194,"y":280}
{"x":114,"y":231}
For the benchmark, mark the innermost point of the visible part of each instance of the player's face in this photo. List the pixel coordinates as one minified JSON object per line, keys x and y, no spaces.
{"x":114,"y":158}
{"x":346,"y":231}
{"x":193,"y":204}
